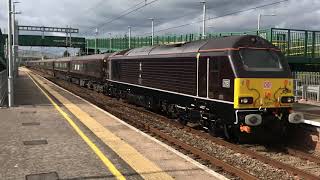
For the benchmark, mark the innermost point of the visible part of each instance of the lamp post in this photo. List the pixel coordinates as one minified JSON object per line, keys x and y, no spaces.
{"x":259,"y":19}
{"x":110,"y":42}
{"x":129,"y":35}
{"x":9,"y":63}
{"x":95,"y":41}
{"x":152,"y":30}
{"x":15,"y":39}
{"x":87,"y":46}
{"x":204,"y":19}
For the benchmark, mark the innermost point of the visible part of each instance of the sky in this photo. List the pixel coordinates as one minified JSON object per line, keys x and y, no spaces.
{"x":105,"y":15}
{"x":89,"y":15}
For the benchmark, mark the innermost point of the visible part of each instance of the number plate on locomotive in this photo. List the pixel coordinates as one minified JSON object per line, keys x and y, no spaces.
{"x":267,"y":85}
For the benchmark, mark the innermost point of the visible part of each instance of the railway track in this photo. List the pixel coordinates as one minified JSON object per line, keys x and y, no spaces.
{"x":162,"y":128}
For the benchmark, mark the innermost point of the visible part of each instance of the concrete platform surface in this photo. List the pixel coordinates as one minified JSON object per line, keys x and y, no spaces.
{"x":55,"y":134}
{"x":311,"y":113}
{"x":37,"y":143}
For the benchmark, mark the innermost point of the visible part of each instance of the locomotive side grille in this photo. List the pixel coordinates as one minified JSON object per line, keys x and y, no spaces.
{"x":177,"y":75}
{"x":129,"y":71}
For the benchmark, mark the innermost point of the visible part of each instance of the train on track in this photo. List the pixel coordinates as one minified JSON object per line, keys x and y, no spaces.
{"x":239,"y":85}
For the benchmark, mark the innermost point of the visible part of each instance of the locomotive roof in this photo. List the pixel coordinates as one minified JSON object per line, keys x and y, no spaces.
{"x":220,"y":43}
{"x":91,"y":57}
{"x":63,"y":59}
{"x":45,"y":60}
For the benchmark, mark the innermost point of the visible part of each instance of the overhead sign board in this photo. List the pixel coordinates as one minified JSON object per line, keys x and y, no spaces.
{"x":51,"y":41}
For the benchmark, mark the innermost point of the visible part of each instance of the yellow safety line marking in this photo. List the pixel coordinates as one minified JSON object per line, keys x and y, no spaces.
{"x":98,"y":152}
{"x":146,"y":168}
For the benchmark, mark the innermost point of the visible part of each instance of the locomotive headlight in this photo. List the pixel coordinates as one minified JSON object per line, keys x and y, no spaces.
{"x":287,"y":99}
{"x":245,"y":100}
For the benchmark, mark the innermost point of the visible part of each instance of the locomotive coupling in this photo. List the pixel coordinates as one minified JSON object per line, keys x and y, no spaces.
{"x":253,"y":119}
{"x":295,"y":118}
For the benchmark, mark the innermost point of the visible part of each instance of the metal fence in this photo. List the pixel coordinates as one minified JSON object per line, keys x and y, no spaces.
{"x":121,"y":43}
{"x":298,"y":43}
{"x":307,"y":85}
{"x":3,"y":87}
{"x":292,"y":42}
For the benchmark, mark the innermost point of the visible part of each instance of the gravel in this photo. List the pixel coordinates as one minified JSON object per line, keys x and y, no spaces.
{"x":125,"y":111}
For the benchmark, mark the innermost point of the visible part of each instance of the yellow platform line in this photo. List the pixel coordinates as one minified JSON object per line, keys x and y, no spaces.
{"x":96,"y":150}
{"x":142,"y":165}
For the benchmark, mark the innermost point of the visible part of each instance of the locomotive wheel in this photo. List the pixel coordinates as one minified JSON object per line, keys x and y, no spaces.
{"x":171,"y":111}
{"x":213,"y":129}
{"x":183,"y":121}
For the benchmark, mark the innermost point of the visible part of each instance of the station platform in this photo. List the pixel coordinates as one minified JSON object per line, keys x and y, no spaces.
{"x":311,"y":113}
{"x":307,"y":134}
{"x":53,"y":134}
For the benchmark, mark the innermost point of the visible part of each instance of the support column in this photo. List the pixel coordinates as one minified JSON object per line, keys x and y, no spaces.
{"x":10,"y":77}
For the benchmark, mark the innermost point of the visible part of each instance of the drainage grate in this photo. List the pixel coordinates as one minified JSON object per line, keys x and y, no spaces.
{"x":31,"y":124}
{"x":35,"y":142}
{"x":43,"y":176}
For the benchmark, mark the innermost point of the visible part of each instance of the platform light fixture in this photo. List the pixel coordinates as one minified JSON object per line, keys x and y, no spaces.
{"x":15,"y":36}
{"x":95,"y":41}
{"x":110,"y":42}
{"x":152,"y":30}
{"x":204,"y":14}
{"x":259,"y":19}
{"x":9,"y":63}
{"x":129,"y":36}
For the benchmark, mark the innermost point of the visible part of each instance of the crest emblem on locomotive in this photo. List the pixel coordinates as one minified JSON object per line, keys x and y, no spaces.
{"x":267,"y":85}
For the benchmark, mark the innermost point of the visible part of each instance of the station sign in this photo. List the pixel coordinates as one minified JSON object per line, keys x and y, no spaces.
{"x":51,"y":41}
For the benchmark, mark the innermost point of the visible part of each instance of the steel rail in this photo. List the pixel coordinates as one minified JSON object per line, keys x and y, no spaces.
{"x":279,"y":165}
{"x":195,"y":151}
{"x":238,"y":172}
{"x":303,"y":155}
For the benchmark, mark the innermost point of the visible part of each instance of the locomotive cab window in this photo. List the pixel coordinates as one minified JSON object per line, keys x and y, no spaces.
{"x":260,"y":60}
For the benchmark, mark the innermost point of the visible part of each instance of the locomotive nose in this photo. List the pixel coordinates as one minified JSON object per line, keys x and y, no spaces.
{"x":295,"y":118}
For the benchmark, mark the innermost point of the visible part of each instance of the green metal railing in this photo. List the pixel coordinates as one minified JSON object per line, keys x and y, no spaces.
{"x":297,"y":44}
{"x":121,"y":43}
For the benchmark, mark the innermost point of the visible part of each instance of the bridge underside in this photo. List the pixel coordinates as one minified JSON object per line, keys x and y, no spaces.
{"x":50,"y":41}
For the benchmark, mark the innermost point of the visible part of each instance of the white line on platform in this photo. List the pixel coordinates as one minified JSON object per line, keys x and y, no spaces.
{"x":312,"y":122}
{"x":210,"y":171}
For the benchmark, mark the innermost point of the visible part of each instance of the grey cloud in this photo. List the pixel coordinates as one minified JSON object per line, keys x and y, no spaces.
{"x":86,"y":15}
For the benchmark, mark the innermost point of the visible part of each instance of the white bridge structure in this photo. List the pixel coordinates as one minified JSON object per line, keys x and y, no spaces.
{"x":26,"y":55}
